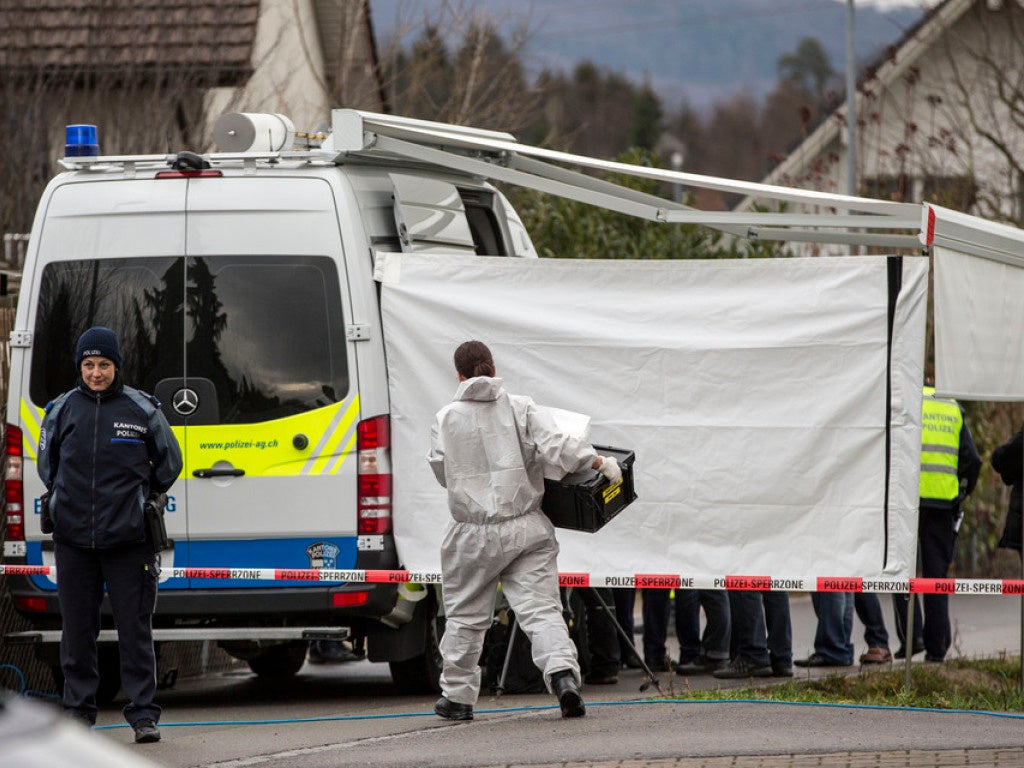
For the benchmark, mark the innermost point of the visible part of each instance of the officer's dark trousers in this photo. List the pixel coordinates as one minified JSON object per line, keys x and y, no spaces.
{"x":131,"y":577}
{"x":937,"y":544}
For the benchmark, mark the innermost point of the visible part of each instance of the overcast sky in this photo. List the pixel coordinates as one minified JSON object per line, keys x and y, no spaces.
{"x":693,"y":51}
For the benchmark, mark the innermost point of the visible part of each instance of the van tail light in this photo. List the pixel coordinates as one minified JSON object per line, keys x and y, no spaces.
{"x":30,"y":603}
{"x":373,"y":444}
{"x":14,"y":492}
{"x":349,"y":599}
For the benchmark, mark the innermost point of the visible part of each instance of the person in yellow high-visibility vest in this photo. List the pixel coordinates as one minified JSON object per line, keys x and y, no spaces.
{"x":949,"y":471}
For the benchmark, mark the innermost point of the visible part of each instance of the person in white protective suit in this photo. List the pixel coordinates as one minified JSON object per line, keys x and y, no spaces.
{"x":489,"y":449}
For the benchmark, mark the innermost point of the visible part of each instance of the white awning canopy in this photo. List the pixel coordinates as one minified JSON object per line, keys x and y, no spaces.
{"x":979,"y":297}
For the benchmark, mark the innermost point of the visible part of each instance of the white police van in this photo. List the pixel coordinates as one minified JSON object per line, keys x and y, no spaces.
{"x":241,"y":286}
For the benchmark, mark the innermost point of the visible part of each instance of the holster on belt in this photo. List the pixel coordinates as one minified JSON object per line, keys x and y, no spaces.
{"x":156,"y":531}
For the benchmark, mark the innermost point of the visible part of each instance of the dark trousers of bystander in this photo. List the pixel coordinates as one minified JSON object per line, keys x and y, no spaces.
{"x":131,"y":577}
{"x":762,"y":631}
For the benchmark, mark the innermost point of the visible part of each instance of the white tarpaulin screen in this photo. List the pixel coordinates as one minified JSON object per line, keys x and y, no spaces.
{"x":979,"y":318}
{"x":754,"y":393}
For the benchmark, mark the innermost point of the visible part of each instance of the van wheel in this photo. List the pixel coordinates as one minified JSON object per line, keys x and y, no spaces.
{"x":282,"y":660}
{"x":422,"y":674}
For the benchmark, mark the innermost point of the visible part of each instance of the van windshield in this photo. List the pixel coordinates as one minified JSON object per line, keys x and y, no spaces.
{"x":267,"y":332}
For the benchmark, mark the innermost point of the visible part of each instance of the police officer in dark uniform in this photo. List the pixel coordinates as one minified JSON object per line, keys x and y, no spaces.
{"x":104,"y":449}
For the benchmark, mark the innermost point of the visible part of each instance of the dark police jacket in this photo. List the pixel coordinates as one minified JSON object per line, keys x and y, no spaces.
{"x":1006,"y":460}
{"x":100,"y":455}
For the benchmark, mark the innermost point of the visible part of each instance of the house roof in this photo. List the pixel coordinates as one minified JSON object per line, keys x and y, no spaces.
{"x":892,"y":64}
{"x":127,"y":39}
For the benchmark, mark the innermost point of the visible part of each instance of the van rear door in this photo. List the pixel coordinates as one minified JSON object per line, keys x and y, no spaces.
{"x":267,"y":398}
{"x":109,"y":253}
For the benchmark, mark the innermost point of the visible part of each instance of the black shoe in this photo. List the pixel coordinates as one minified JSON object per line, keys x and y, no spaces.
{"x":568,"y":692}
{"x":632,"y":662}
{"x":609,"y":678}
{"x":146,"y":731}
{"x":740,"y":668}
{"x":817,"y":660}
{"x":330,"y":652}
{"x":782,"y":670}
{"x":695,"y":667}
{"x":452,"y":710}
{"x":931,"y":658}
{"x":901,"y":652}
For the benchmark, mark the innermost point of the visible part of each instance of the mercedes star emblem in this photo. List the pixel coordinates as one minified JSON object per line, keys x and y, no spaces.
{"x":185,"y":401}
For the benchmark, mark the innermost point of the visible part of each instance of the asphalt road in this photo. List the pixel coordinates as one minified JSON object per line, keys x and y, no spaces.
{"x":350,"y":715}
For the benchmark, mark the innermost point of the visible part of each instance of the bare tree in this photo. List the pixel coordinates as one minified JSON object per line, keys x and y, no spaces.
{"x":460,"y":69}
{"x":984,"y":113}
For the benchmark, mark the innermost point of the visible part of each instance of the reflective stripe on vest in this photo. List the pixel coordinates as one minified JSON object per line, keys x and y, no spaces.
{"x":941,"y":421}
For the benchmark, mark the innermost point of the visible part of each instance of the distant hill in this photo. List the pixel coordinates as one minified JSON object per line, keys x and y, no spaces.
{"x":698,"y":51}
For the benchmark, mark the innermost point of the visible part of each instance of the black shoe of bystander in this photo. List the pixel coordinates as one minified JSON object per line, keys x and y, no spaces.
{"x":901,"y":652}
{"x":817,"y":660}
{"x":740,"y":668}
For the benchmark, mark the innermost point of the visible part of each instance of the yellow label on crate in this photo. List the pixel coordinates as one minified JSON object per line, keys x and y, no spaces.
{"x":612,"y":491}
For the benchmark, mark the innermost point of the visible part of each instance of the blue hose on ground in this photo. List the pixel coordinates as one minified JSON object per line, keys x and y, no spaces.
{"x":506,"y":710}
{"x":23,"y":684}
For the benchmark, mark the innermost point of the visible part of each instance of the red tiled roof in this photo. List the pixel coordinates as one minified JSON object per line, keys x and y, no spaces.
{"x":78,"y":39}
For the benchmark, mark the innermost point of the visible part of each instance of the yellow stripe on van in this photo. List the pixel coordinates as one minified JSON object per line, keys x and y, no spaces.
{"x":31,"y":426}
{"x":268,"y":449}
{"x":340,"y":459}
{"x":333,"y":436}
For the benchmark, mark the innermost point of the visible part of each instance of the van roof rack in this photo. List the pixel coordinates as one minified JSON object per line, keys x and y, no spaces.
{"x":496,"y":155}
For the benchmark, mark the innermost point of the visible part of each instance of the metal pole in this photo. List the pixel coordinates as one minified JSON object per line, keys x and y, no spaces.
{"x":851,"y":111}
{"x":908,"y":643}
{"x":908,"y":620}
{"x":851,"y":104}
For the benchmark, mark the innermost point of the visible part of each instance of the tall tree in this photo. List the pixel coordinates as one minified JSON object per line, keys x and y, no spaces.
{"x":647,"y":116}
{"x":809,"y":67}
{"x":461,"y":70}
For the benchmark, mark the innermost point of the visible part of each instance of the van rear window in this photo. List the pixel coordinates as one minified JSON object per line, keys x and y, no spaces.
{"x":265,"y":332}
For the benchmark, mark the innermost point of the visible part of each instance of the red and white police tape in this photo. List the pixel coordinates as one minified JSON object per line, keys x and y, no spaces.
{"x":641,"y":580}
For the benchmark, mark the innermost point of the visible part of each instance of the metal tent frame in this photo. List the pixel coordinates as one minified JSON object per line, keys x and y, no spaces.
{"x":497,"y":156}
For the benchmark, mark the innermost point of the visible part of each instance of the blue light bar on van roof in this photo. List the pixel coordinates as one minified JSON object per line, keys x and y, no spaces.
{"x":80,"y":141}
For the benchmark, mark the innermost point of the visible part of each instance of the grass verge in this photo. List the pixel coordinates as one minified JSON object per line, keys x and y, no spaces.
{"x":974,"y":684}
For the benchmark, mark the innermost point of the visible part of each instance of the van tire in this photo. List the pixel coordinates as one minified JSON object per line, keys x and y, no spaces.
{"x":422,"y":673}
{"x":280,"y":661}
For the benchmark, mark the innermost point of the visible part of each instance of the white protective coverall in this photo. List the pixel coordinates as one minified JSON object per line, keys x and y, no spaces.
{"x":489,"y":448}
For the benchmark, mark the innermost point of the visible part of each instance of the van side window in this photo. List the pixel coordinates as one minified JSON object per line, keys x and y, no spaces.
{"x":483,"y":224}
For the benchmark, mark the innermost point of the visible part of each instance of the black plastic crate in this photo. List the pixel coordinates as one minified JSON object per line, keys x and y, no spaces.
{"x":585,"y":501}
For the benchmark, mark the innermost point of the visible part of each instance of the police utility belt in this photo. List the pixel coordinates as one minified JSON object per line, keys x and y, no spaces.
{"x":152,"y":512}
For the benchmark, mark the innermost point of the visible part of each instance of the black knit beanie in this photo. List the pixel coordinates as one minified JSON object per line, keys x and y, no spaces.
{"x":98,"y":341}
